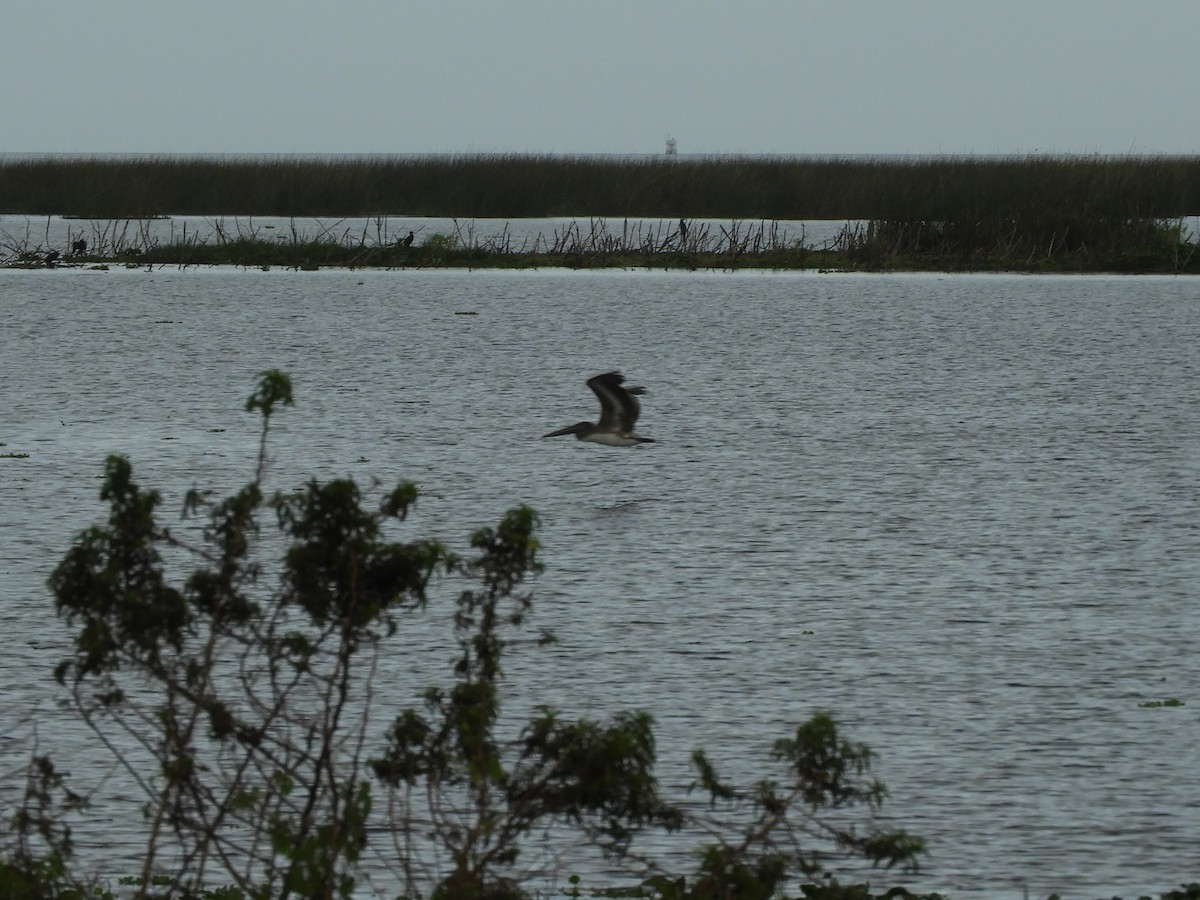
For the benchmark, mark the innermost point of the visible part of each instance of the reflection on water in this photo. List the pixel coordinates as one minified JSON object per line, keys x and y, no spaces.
{"x":959,"y":512}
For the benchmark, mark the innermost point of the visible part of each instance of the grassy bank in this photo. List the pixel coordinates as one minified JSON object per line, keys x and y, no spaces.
{"x":1029,"y":214}
{"x":1136,"y":247}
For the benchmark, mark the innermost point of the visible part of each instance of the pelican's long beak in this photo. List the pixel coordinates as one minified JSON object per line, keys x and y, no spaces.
{"x":570,"y":429}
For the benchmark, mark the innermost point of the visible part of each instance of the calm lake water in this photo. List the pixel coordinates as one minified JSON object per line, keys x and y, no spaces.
{"x":959,"y":512}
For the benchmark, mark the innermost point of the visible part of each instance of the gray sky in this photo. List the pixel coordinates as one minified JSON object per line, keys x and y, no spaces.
{"x":610,"y":76}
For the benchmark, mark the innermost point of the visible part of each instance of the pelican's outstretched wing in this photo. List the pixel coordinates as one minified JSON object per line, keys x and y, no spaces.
{"x":619,"y":409}
{"x":633,"y":409}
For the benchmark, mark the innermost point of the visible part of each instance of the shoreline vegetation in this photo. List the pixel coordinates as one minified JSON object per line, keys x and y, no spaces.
{"x":1027,"y":214}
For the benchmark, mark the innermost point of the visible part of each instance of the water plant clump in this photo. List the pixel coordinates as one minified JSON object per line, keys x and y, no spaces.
{"x":576,"y":244}
{"x":1052,"y":245}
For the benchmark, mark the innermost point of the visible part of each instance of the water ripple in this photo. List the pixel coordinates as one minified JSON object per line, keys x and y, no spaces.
{"x":959,"y":512}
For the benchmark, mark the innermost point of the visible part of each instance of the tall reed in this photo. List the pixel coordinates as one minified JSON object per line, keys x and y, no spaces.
{"x":932,"y":189}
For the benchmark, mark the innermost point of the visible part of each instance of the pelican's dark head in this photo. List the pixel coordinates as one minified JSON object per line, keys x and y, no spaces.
{"x":579,"y":429}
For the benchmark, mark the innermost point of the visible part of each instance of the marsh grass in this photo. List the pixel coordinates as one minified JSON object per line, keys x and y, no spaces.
{"x":1139,"y":246}
{"x":591,"y":243}
{"x":1034,"y":213}
{"x":499,"y":186}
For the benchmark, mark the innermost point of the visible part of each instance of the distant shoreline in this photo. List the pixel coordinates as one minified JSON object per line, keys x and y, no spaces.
{"x":1037,"y":213}
{"x":334,"y":156}
{"x":516,"y":186}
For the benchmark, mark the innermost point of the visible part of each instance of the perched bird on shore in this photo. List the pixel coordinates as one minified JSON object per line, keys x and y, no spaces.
{"x":619,"y":410}
{"x":407,"y":240}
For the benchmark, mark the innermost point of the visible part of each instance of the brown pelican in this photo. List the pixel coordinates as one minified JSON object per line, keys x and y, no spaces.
{"x":618,"y":412}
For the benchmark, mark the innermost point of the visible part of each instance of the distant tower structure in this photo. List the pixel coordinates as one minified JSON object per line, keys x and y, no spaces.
{"x":672,"y":148}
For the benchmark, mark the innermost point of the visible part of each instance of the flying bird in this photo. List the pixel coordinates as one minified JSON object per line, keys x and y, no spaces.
{"x":619,"y":411}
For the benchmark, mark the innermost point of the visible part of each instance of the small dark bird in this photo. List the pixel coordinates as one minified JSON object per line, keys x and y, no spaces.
{"x":619,"y":410}
{"x":408,"y":239}
{"x":52,"y":258}
{"x":79,"y":246}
